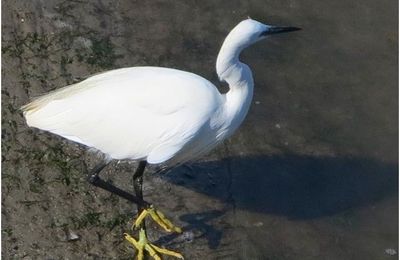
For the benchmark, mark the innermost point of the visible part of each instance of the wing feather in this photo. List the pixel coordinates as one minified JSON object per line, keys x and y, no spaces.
{"x":134,"y":113}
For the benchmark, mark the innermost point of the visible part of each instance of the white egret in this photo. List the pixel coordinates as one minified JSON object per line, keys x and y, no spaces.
{"x":153,"y":115}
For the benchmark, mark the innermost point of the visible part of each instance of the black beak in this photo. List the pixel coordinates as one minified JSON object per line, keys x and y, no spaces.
{"x":279,"y":29}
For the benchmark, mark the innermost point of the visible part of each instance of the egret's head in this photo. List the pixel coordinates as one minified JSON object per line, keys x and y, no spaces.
{"x":250,"y":31}
{"x":244,"y":34}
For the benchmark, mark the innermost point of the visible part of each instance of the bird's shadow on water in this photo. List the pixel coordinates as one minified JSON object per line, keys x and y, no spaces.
{"x":297,"y":187}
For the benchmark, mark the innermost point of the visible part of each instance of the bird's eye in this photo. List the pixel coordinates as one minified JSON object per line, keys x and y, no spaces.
{"x":263,"y":34}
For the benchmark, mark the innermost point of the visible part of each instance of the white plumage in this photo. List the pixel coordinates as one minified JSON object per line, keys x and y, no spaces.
{"x":151,"y":113}
{"x":131,"y":113}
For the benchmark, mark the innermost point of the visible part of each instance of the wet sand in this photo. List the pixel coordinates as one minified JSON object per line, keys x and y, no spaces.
{"x":311,"y":174}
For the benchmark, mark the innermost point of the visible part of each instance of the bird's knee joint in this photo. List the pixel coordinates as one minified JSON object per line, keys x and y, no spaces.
{"x":93,"y":179}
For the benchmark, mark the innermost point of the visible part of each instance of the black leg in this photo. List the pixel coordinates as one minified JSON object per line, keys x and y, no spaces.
{"x":94,"y":179}
{"x":138,"y":186}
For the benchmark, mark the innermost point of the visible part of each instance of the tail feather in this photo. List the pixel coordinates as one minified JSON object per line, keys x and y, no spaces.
{"x":41,"y":101}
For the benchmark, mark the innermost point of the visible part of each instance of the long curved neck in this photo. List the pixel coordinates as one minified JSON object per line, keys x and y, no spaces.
{"x":239,"y":77}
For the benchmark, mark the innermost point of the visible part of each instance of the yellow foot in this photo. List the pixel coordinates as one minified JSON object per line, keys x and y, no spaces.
{"x":144,"y":245}
{"x":158,"y":217}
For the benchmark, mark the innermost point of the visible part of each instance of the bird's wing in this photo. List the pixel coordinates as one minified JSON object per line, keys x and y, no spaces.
{"x":131,"y":113}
